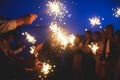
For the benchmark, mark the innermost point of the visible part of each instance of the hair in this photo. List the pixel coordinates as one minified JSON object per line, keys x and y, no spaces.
{"x":88,"y":32}
{"x":118,"y":34}
{"x":97,"y":33}
{"x":110,"y":27}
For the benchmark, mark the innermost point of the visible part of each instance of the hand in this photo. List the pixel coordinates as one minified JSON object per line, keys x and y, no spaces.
{"x":28,"y":19}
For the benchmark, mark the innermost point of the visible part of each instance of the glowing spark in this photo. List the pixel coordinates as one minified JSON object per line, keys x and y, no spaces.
{"x":71,"y":39}
{"x":94,"y":21}
{"x":117,"y":12}
{"x":57,"y":9}
{"x":29,"y":38}
{"x":94,"y":47}
{"x":86,"y":29}
{"x":60,"y":37}
{"x":100,"y":27}
{"x":69,"y":15}
{"x":46,"y":68}
{"x":32,"y":49}
{"x":41,"y":19}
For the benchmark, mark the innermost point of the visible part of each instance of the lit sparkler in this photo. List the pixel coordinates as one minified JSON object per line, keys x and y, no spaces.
{"x":95,"y":21}
{"x":57,"y":9}
{"x":32,"y":49}
{"x":47,"y":68}
{"x":117,"y":12}
{"x":29,"y":38}
{"x":60,"y":37}
{"x":94,"y":47}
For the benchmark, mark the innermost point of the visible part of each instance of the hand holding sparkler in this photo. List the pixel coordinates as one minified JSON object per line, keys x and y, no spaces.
{"x":27,"y":19}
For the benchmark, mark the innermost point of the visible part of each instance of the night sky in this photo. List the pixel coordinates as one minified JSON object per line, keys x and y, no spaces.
{"x":80,"y":10}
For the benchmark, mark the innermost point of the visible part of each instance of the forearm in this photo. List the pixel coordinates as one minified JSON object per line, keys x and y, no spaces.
{"x":19,"y":21}
{"x":6,"y":26}
{"x":18,"y":51}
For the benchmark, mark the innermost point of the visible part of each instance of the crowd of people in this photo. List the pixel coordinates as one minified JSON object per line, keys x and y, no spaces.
{"x":74,"y":63}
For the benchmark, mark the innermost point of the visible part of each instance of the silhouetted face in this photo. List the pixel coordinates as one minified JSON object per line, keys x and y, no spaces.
{"x":107,"y":30}
{"x":77,"y":39}
{"x":95,"y":37}
{"x":88,"y":36}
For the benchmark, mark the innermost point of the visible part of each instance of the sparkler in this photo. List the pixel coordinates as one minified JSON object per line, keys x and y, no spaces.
{"x":117,"y":12}
{"x":29,"y":38}
{"x":95,"y":21}
{"x":60,"y":37}
{"x":94,"y":47}
{"x":32,"y":49}
{"x":56,"y":9}
{"x":46,"y":68}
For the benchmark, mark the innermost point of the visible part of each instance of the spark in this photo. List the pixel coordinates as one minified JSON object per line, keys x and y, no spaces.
{"x":86,"y":29}
{"x":94,"y":47}
{"x":95,"y":21}
{"x":56,"y":9}
{"x":46,"y":68}
{"x":69,"y":15}
{"x":39,"y":7}
{"x":32,"y":49}
{"x":117,"y":12}
{"x":100,"y":27}
{"x":41,"y":19}
{"x":29,"y":38}
{"x":60,"y":36}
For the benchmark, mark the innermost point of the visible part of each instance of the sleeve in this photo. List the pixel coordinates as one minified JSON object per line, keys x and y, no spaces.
{"x":6,"y":26}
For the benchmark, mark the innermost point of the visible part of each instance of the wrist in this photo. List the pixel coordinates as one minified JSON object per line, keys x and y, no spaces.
{"x":20,"y":21}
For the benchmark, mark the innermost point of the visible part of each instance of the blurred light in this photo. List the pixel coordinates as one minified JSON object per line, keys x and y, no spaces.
{"x":95,"y":21}
{"x":29,"y":38}
{"x":94,"y":47}
{"x":116,"y":12}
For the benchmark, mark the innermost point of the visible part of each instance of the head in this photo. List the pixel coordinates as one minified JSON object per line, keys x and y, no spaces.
{"x":78,"y":38}
{"x":96,"y":36}
{"x":117,"y":35}
{"x":88,"y":34}
{"x":102,"y":34}
{"x":109,"y":29}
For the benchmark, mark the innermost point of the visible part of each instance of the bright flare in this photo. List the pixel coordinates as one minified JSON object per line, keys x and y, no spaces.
{"x":117,"y":12}
{"x":29,"y":38}
{"x":56,"y":8}
{"x":60,"y":37}
{"x":32,"y":49}
{"x":94,"y":21}
{"x":94,"y":47}
{"x":46,"y":68}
